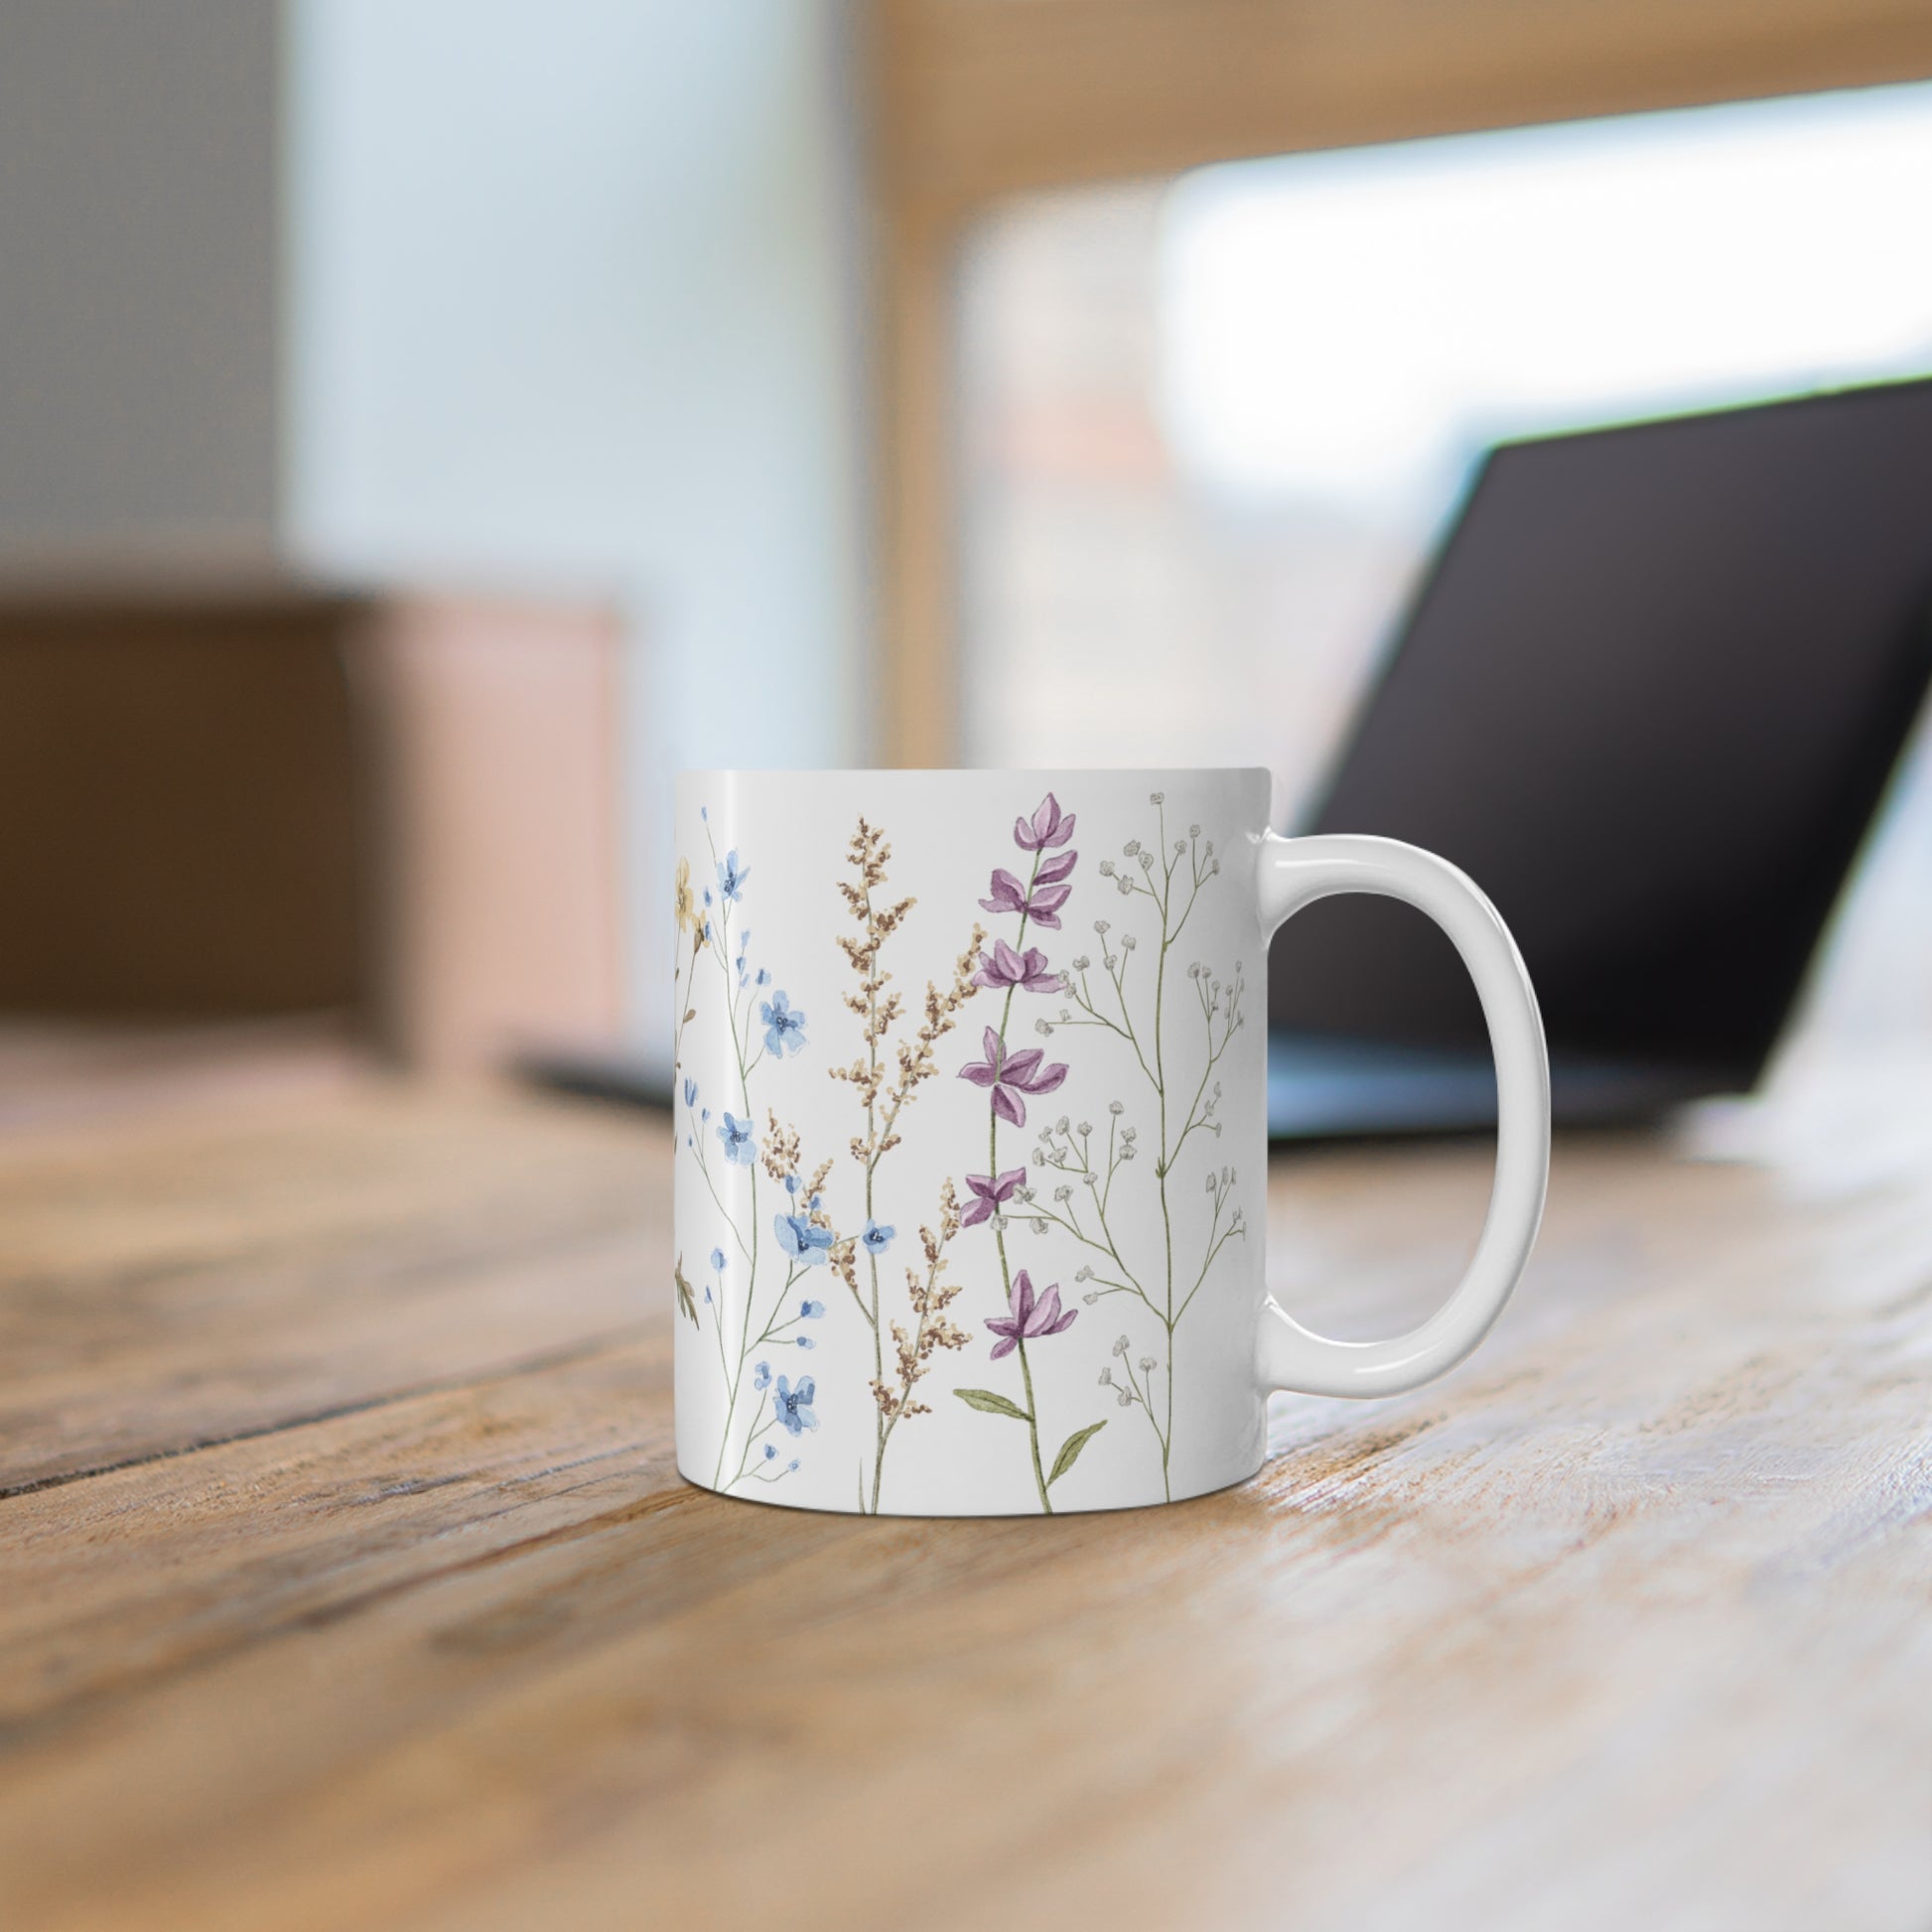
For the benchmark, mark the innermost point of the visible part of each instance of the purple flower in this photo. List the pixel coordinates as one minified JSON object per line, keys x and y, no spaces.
{"x":1029,"y":1320}
{"x":1049,"y":827}
{"x":1008,"y":968}
{"x":1008,"y":895}
{"x":1044,"y":907}
{"x":1011,"y":1076}
{"x":989,"y":1193}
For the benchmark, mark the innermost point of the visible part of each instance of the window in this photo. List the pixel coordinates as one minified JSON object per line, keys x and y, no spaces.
{"x":1209,"y":428}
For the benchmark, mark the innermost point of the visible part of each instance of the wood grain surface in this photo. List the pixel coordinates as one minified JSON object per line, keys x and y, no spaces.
{"x":349,"y":1580}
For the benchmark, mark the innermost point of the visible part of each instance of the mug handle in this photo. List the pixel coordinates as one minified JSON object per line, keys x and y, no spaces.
{"x":1294,"y":873}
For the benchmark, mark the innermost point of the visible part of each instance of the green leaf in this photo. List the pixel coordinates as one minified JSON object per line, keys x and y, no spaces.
{"x":1071,"y":1447}
{"x":686,"y":1302}
{"x":993,"y":1405}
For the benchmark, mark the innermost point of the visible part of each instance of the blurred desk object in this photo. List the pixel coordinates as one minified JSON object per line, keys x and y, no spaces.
{"x":285,"y":800}
{"x":351,"y":1581}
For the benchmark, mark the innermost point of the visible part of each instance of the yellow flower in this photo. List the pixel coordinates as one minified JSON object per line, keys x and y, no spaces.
{"x":687,"y":906}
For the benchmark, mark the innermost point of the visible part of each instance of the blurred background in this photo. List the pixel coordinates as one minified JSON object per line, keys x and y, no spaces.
{"x":424,"y":428}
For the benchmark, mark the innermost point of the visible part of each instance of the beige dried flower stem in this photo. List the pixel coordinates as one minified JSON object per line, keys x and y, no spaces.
{"x":935,"y":1329}
{"x":869,"y":855}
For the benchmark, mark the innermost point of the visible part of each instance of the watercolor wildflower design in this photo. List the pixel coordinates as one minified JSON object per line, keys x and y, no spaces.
{"x":884,"y":1083}
{"x":1009,"y":1079}
{"x":1169,"y":878}
{"x":743,"y":1308}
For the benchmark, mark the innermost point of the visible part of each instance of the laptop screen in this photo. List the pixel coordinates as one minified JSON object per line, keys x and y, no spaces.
{"x":1648,"y":699}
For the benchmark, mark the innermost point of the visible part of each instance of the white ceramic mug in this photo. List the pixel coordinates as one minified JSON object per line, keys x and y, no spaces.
{"x":970,"y":1172}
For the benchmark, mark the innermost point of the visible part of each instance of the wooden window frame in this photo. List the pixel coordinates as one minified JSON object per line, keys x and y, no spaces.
{"x":976,"y":102}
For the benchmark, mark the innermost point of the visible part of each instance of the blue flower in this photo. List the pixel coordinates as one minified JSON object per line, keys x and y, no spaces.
{"x":737,"y":1137}
{"x":810,"y":1311}
{"x":731,"y":876}
{"x":791,"y":1467}
{"x":690,"y":1091}
{"x":794,"y":1406}
{"x":804,"y":1342}
{"x":718,"y":1259}
{"x":764,"y":978}
{"x":791,"y":1183}
{"x":784,"y":1030}
{"x":802,"y":1240}
{"x":704,"y":812}
{"x":762,"y":1376}
{"x":770,"y":1451}
{"x":876,"y":1239}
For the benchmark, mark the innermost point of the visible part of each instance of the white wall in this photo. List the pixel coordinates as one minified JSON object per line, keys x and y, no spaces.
{"x":138,"y":281}
{"x":518,"y":292}
{"x":571,"y":301}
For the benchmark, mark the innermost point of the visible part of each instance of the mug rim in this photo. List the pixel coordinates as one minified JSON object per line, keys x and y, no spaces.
{"x":1132,"y":771}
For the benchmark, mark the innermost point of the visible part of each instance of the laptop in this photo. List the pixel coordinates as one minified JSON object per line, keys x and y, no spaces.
{"x":1649,"y":697}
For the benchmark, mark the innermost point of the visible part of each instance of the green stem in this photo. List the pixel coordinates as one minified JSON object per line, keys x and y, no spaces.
{"x":993,"y":1179}
{"x":721,"y":946}
{"x":1160,"y":1172}
{"x":1032,"y":1433}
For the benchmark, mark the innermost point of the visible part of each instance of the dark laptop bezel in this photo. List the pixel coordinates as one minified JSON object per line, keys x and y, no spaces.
{"x":1895,"y":701}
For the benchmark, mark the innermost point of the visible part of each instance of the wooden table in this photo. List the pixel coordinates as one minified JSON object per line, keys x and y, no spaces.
{"x":349,"y":1582}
